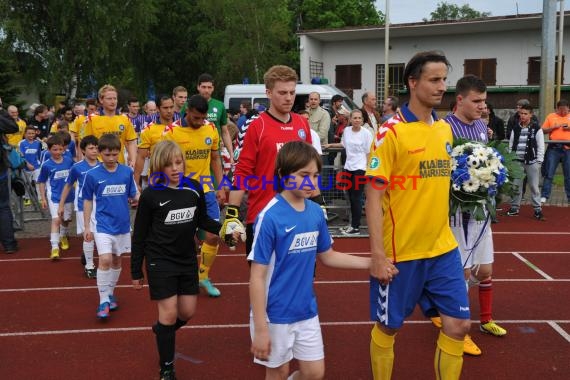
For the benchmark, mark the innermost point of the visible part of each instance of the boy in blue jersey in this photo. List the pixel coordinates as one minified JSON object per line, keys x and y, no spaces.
{"x":51,"y":180}
{"x":290,"y":232}
{"x":68,"y":147}
{"x":107,"y":191}
{"x":31,"y":148}
{"x":88,"y":146}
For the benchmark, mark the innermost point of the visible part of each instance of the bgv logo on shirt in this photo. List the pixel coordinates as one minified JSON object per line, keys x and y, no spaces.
{"x":181,"y":215}
{"x":304,"y":241}
{"x":114,"y":189}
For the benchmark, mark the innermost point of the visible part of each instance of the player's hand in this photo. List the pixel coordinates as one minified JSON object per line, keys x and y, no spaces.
{"x":232,"y":231}
{"x":87,"y":234}
{"x":261,"y":345}
{"x":221,"y":196}
{"x":44,"y":204}
{"x":138,"y":284}
{"x":60,"y":213}
{"x":383,"y":269}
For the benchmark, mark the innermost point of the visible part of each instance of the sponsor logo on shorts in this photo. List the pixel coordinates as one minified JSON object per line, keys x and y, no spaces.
{"x":182,"y":215}
{"x":304,"y":242}
{"x":463,"y":308}
{"x":115,"y":190}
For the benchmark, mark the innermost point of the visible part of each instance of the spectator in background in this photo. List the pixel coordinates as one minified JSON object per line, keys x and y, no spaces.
{"x":15,"y":138}
{"x":557,"y":125}
{"x":495,"y":123}
{"x":40,"y":121}
{"x":7,"y":126}
{"x":369,"y":112}
{"x":244,"y":110}
{"x":319,"y":118}
{"x":514,"y":119}
{"x":150,"y":108}
{"x":389,"y":108}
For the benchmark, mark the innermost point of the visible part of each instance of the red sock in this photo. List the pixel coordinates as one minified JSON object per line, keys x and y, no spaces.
{"x":485,"y":299}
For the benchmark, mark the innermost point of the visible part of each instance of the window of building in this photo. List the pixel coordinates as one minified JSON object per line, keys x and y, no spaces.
{"x":534,"y":70}
{"x":484,"y":68}
{"x":316,"y":69}
{"x":348,"y":77}
{"x":395,"y":80}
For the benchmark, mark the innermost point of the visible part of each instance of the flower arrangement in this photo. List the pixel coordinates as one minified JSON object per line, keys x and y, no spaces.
{"x":479,"y":173}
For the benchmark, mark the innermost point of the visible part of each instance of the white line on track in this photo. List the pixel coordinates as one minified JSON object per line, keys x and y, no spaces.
{"x":559,"y":330}
{"x":553,"y":323}
{"x":532,"y":266}
{"x":15,"y":260}
{"x":331,"y":282}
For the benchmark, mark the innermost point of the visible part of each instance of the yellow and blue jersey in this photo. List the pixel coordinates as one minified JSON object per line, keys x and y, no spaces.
{"x":412,"y":160}
{"x":197,"y":145}
{"x":151,"y":135}
{"x":119,"y":125}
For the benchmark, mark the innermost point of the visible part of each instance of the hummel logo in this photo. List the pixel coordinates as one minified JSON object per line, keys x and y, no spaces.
{"x":163,"y":203}
{"x":290,"y":228}
{"x":102,"y":181}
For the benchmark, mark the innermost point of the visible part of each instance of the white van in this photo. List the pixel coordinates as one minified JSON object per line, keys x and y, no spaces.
{"x":255,"y":93}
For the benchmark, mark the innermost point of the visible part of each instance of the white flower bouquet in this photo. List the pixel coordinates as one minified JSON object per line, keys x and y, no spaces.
{"x":479,"y":173}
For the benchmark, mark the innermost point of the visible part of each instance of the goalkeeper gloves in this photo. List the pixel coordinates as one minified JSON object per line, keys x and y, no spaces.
{"x":230,"y":225}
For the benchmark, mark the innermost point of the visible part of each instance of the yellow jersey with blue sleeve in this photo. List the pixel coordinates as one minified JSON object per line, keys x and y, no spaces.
{"x":411,"y":160}
{"x":151,"y":135}
{"x":119,"y":125}
{"x":197,"y":145}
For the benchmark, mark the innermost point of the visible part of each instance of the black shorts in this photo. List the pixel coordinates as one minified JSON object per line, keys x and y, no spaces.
{"x":164,"y":285}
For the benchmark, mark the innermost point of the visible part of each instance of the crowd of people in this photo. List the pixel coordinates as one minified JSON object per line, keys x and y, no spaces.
{"x":182,"y":161}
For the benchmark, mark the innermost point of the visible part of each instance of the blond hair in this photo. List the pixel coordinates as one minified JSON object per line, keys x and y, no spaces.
{"x":163,"y":155}
{"x":106,"y":88}
{"x":279,"y":73}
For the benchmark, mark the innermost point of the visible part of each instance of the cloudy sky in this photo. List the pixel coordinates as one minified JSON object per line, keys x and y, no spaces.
{"x":415,"y":10}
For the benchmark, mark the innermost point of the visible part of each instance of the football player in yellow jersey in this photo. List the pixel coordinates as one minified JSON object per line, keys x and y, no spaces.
{"x":151,"y":135}
{"x":111,"y":122}
{"x":67,"y":116}
{"x":199,"y":140}
{"x":77,"y":128}
{"x":15,"y":138}
{"x":414,"y":255}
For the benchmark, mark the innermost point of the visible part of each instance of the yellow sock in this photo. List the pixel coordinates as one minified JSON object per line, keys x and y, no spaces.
{"x":381,"y":353}
{"x":448,"y":358}
{"x":208,"y":255}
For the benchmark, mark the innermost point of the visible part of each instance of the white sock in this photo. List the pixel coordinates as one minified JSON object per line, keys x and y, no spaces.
{"x":103,"y":281}
{"x":88,"y":248}
{"x":54,"y":239}
{"x":113,"y":279}
{"x":63,"y":230}
{"x":292,"y":376}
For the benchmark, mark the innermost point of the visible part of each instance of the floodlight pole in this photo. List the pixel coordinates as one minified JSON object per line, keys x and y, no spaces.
{"x":386,"y":50}
{"x":547,"y":57}
{"x":560,"y":52}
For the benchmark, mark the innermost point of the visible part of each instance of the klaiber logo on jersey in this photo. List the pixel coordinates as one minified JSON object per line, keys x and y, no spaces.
{"x":304,"y":242}
{"x":61,"y":174}
{"x":115,"y":189}
{"x":181,"y":215}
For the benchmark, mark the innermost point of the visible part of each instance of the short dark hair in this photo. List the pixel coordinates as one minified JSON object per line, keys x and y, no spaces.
{"x":91,"y":102}
{"x":336,"y":98}
{"x":527,"y":107}
{"x":88,"y":140}
{"x":394,"y":102}
{"x":205,"y":78}
{"x":132,"y":99}
{"x":198,"y":103}
{"x":65,"y":137}
{"x":109,"y":141}
{"x":54,"y":140}
{"x":293,"y":156}
{"x":162,"y":99}
{"x":416,"y":64}
{"x":562,"y":103}
{"x":468,"y":83}
{"x":40,"y":109}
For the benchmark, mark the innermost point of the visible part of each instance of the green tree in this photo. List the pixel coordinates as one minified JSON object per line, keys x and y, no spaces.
{"x":328,"y":14}
{"x":452,"y":12}
{"x":72,"y":45}
{"x":9,"y":78}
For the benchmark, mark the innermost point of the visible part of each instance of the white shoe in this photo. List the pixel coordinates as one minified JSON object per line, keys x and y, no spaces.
{"x":543,"y":200}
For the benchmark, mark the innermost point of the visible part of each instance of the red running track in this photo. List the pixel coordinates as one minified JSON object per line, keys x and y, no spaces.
{"x":48,"y":328}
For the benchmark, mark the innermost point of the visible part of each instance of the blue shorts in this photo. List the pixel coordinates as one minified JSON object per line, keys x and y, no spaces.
{"x":212,"y":206}
{"x":437,"y":283}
